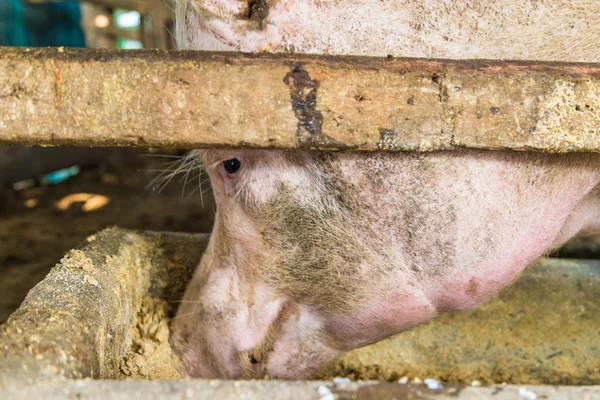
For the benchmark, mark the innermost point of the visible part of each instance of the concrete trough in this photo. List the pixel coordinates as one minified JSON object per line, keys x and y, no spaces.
{"x":102,"y":314}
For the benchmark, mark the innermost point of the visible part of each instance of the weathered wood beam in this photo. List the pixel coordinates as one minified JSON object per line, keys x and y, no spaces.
{"x":88,"y":97}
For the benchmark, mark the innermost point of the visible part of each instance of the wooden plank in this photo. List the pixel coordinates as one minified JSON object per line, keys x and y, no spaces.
{"x":88,"y":97}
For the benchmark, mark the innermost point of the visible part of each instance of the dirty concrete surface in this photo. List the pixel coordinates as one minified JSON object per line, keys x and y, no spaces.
{"x":102,"y":312}
{"x":279,"y":390}
{"x":543,"y":329}
{"x":149,"y":353}
{"x":80,"y":321}
{"x":35,"y":233}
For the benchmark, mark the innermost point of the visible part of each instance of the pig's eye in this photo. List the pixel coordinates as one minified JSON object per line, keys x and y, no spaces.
{"x":232,"y":165}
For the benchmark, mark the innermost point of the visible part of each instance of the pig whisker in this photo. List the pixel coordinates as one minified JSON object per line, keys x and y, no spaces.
{"x":162,"y":180}
{"x":202,"y":191}
{"x":187,"y":174}
{"x":182,"y":165}
{"x":200,"y":182}
{"x":172,"y":166}
{"x":202,"y":179}
{"x":186,"y":315}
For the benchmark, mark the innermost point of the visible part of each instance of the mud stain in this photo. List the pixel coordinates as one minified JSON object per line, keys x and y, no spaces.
{"x":303,"y":94}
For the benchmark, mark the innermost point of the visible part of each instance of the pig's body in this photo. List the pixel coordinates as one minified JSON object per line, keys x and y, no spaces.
{"x":316,"y":253}
{"x":554,"y":30}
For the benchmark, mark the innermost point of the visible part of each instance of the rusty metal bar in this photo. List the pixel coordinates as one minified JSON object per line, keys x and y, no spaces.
{"x":88,"y":97}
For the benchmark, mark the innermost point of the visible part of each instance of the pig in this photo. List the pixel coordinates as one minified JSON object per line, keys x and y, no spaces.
{"x":551,"y":30}
{"x":315,"y":253}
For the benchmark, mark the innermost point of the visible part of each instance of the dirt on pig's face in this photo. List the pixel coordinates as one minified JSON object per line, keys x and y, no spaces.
{"x":316,"y":253}
{"x":285,"y":244}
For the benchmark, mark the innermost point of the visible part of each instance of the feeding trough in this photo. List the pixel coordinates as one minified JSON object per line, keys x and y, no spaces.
{"x":104,"y":313}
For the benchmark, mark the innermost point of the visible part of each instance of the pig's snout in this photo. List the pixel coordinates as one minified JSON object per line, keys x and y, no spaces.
{"x":217,"y":333}
{"x":230,"y":330}
{"x":222,"y":321}
{"x":237,"y":318}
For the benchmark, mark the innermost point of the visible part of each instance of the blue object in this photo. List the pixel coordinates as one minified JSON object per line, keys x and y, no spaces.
{"x":52,"y":178}
{"x":40,"y":25}
{"x":60,"y":175}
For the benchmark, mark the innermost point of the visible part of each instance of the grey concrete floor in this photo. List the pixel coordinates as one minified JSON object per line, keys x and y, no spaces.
{"x":280,"y":390}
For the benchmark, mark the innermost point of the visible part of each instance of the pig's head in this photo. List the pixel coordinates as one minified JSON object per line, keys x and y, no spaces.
{"x":316,"y":253}
{"x":287,"y":281}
